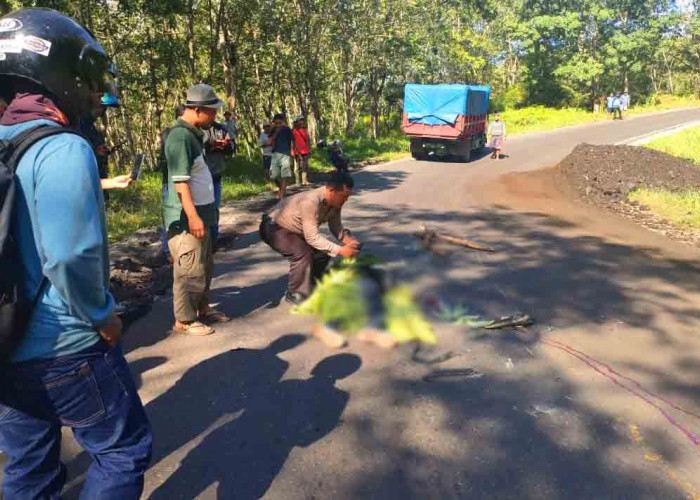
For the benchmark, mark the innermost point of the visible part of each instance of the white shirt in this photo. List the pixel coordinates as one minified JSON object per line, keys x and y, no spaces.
{"x":262,"y":140}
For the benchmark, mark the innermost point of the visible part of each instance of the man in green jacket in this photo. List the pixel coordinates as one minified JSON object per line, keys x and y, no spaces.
{"x":189,"y":212}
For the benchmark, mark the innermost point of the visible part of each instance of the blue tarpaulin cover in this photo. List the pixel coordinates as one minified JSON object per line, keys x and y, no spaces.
{"x":442,"y":104}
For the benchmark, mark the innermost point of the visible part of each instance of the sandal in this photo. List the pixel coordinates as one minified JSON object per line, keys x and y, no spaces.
{"x":194,"y":329}
{"x":215,"y":317}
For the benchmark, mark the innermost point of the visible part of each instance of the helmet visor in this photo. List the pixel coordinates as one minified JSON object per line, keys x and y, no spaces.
{"x":97,"y":70}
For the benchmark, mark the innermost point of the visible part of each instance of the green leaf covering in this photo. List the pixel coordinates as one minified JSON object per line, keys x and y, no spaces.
{"x":338,"y":301}
{"x":404,"y":319}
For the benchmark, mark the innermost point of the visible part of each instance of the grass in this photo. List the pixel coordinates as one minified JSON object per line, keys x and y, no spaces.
{"x":681,"y":209}
{"x":541,"y":118}
{"x":139,"y":207}
{"x":685,"y":144}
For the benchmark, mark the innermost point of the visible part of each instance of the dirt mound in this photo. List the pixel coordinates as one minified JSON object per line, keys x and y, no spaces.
{"x":606,"y":174}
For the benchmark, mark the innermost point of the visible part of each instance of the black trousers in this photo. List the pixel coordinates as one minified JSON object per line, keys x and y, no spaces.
{"x":306,"y":264}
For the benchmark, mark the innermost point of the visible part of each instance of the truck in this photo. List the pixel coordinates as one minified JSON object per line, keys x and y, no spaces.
{"x":446,"y":120}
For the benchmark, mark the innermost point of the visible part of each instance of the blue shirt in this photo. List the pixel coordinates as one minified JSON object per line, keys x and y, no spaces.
{"x":609,"y":102}
{"x":60,"y":229}
{"x":616,"y":103}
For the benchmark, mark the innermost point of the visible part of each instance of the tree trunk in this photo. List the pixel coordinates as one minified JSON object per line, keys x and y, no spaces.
{"x":349,"y":105}
{"x":322,"y":128}
{"x":229,"y":63}
{"x":191,"y":47}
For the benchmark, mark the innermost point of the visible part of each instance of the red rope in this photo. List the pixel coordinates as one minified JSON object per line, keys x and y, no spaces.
{"x":612,"y":375}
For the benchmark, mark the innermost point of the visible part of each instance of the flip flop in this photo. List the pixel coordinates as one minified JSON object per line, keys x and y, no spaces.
{"x":510,"y":321}
{"x":194,"y":329}
{"x":215,"y":317}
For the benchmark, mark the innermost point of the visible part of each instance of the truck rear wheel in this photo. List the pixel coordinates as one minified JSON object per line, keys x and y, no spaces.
{"x":419,"y":156}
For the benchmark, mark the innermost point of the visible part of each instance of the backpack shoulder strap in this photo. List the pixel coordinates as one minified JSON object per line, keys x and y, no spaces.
{"x":25,"y":140}
{"x":19,"y":145}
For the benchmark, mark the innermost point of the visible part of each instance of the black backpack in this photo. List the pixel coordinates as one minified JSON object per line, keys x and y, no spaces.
{"x":15,"y":311}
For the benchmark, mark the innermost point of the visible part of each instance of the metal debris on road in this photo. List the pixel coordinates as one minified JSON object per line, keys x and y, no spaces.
{"x":453,"y":374}
{"x":510,"y":321}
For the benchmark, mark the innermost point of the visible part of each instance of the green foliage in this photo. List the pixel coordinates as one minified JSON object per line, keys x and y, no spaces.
{"x":685,"y":144}
{"x":541,"y":118}
{"x":404,"y":319}
{"x":338,"y":301}
{"x":680,"y":208}
{"x":138,"y":207}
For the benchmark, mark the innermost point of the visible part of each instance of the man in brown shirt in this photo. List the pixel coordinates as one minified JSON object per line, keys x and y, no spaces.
{"x":292,"y":229}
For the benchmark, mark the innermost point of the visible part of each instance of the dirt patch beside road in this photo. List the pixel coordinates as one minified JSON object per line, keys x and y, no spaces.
{"x":602,"y":175}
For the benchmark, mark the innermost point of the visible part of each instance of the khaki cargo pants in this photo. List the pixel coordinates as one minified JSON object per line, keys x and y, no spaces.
{"x":193,"y":269}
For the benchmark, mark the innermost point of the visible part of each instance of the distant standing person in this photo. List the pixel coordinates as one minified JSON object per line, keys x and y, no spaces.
{"x":232,"y":127}
{"x":617,"y":107}
{"x":609,"y":104}
{"x":281,"y":141}
{"x":301,"y":150}
{"x":266,"y":150}
{"x":217,"y":147}
{"x":190,"y":212}
{"x":625,"y":101}
{"x":497,"y":132}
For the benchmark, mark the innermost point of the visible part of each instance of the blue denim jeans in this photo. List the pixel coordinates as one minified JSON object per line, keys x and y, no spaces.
{"x":91,"y":392}
{"x":214,"y":230}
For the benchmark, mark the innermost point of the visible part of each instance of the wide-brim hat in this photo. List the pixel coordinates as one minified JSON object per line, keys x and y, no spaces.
{"x":203,"y":96}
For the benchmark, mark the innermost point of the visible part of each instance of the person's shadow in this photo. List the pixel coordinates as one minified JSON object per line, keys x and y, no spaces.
{"x":244,"y":456}
{"x":219,"y":387}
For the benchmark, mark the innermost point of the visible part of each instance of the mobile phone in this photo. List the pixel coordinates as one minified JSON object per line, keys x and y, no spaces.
{"x":136,"y":169}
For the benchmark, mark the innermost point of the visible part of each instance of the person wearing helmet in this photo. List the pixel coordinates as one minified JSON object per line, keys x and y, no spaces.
{"x":69,"y":368}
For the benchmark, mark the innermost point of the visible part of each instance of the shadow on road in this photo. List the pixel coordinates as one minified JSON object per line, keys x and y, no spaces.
{"x":562,"y":280}
{"x":245,"y":455}
{"x":231,"y":420}
{"x":501,"y":437}
{"x":208,"y":395}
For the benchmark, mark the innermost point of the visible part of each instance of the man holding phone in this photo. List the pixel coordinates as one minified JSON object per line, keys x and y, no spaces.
{"x":189,"y":212}
{"x":217,"y":147}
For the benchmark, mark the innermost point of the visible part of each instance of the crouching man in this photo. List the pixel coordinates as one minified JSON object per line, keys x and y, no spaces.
{"x":292,"y":230}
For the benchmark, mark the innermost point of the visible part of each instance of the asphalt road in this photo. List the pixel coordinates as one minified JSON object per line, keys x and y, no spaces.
{"x":261,"y":410}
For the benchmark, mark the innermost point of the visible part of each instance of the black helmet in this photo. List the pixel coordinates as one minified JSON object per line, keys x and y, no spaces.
{"x":48,"y":49}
